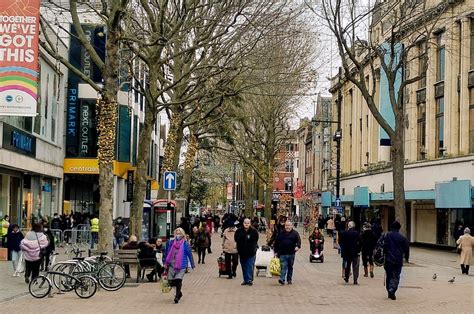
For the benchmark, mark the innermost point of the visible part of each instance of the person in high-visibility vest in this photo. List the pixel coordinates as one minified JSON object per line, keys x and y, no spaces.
{"x":94,"y":231}
{"x":4,"y":224}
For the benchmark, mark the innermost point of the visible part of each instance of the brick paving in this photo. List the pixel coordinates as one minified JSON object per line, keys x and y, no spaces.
{"x":316,"y":287}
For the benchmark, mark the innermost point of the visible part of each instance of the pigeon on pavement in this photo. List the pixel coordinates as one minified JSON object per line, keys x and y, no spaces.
{"x":434,"y":277}
{"x":451,"y":280}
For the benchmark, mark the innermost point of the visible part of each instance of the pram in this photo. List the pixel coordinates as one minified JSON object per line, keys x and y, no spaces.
{"x":263,"y":258}
{"x":221,"y":266}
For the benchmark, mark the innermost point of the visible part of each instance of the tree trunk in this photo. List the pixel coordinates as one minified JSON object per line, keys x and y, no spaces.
{"x":189,"y":163}
{"x":268,"y":193}
{"x":143,"y":158}
{"x":248,"y":198}
{"x":398,"y":164}
{"x":171,"y":158}
{"x":107,"y":121}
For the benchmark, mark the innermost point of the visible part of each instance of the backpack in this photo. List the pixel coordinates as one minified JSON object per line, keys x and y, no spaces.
{"x":202,"y":237}
{"x":379,"y":252}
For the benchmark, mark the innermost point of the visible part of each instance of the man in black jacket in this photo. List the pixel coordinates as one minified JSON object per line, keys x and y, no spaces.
{"x":351,"y":245}
{"x":287,"y":243}
{"x":395,"y":248}
{"x":247,"y":239}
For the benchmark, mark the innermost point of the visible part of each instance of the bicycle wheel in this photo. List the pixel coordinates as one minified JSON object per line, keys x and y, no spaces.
{"x":86,"y":286}
{"x":40,"y":287}
{"x":63,"y":283}
{"x":111,"y":276}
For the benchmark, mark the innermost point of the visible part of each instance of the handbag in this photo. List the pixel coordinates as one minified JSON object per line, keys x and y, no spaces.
{"x":275,"y":266}
{"x":459,"y":249}
{"x":43,"y":251}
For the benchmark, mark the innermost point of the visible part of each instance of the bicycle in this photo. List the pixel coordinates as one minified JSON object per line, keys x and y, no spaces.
{"x":85,"y":286}
{"x":110,"y":275}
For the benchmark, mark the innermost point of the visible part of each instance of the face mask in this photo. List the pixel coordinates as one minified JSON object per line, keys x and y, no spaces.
{"x":45,"y":229}
{"x":179,"y":237}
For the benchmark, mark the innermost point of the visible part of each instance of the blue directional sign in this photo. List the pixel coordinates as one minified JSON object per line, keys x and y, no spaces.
{"x":169,"y":181}
{"x":338,"y":202}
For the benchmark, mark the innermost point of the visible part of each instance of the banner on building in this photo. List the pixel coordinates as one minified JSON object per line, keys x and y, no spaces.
{"x":19,"y":23}
{"x":129,"y":186}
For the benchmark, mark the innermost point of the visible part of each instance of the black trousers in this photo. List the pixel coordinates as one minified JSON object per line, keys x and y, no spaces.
{"x":32,"y":268}
{"x":367,"y":259}
{"x":354,"y":261}
{"x":201,"y":253}
{"x":231,"y":258}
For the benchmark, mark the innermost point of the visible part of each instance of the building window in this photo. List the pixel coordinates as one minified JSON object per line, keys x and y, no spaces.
{"x":471,"y":120}
{"x":421,"y":130}
{"x":472,"y":44}
{"x":440,"y":127}
{"x":422,"y":64}
{"x":289,"y":165}
{"x":440,"y":59}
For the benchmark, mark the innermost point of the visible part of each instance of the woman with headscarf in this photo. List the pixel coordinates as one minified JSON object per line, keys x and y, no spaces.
{"x":177,"y":255}
{"x":465,"y":243}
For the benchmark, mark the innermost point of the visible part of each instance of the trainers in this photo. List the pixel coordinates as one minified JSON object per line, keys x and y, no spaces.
{"x":244,"y":283}
{"x":289,"y":282}
{"x":346,"y":279}
{"x":392,"y":296}
{"x":281,"y":282}
{"x":250,"y":283}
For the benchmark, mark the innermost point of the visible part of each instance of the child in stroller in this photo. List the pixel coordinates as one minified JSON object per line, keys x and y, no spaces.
{"x":316,"y":243}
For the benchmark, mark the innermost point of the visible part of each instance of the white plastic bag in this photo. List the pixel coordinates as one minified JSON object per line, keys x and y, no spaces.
{"x":20,"y":268}
{"x":263,"y":258}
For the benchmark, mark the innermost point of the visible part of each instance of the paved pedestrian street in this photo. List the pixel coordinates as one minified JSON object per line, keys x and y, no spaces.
{"x":316,"y":288}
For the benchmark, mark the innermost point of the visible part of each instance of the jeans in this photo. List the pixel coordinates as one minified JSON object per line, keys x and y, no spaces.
{"x":355,"y":267}
{"x":392,"y":279}
{"x":247,"y":265}
{"x":287,"y":262}
{"x":15,"y":259}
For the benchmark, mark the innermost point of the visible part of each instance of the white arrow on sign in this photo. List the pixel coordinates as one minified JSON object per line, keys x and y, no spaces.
{"x":170,"y":179}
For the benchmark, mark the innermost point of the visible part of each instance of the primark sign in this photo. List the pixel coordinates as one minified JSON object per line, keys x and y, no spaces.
{"x":18,"y":141}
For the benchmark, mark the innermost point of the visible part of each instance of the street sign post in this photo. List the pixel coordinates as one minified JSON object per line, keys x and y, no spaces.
{"x":169,"y":181}
{"x":338,"y":202}
{"x":169,"y":184}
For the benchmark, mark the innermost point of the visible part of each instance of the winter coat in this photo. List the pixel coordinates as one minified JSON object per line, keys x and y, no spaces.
{"x":330,"y":224}
{"x":187,"y":256}
{"x":287,"y":242}
{"x":246,"y":242}
{"x":229,"y":245}
{"x":14,"y":240}
{"x":466,"y":242}
{"x":369,"y":241}
{"x":350,"y":244}
{"x":29,"y":245}
{"x":203,"y":238}
{"x":51,"y":246}
{"x":396,"y":246}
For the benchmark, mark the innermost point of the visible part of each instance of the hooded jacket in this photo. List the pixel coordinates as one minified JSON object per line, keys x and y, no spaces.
{"x":29,"y":245}
{"x":229,"y":245}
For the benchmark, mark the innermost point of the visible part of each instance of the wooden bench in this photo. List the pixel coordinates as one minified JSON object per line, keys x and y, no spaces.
{"x":130,"y":257}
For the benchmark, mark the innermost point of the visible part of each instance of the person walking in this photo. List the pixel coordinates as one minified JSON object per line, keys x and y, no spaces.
{"x":246,"y":238}
{"x":351,"y":245}
{"x":13,"y":241}
{"x":94,"y":231}
{"x":466,"y":243}
{"x":177,"y":256}
{"x":369,"y":241}
{"x":31,"y":246}
{"x":203,"y":242}
{"x":287,"y":243}
{"x":395,"y":248}
{"x":230,"y":251}
{"x":49,"y":249}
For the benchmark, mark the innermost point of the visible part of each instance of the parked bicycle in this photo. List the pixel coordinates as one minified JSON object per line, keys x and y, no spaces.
{"x":110,"y":275}
{"x":85,"y":286}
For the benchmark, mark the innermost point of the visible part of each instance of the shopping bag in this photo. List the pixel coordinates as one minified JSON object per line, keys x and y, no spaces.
{"x":275,"y":266}
{"x":165,"y":285}
{"x":3,"y":254}
{"x":21,"y":264}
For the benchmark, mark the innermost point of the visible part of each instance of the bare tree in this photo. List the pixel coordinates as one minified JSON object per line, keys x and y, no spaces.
{"x":109,"y":13}
{"x":395,"y":31}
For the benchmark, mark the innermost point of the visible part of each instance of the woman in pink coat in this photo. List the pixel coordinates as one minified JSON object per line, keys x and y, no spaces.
{"x":31,"y":246}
